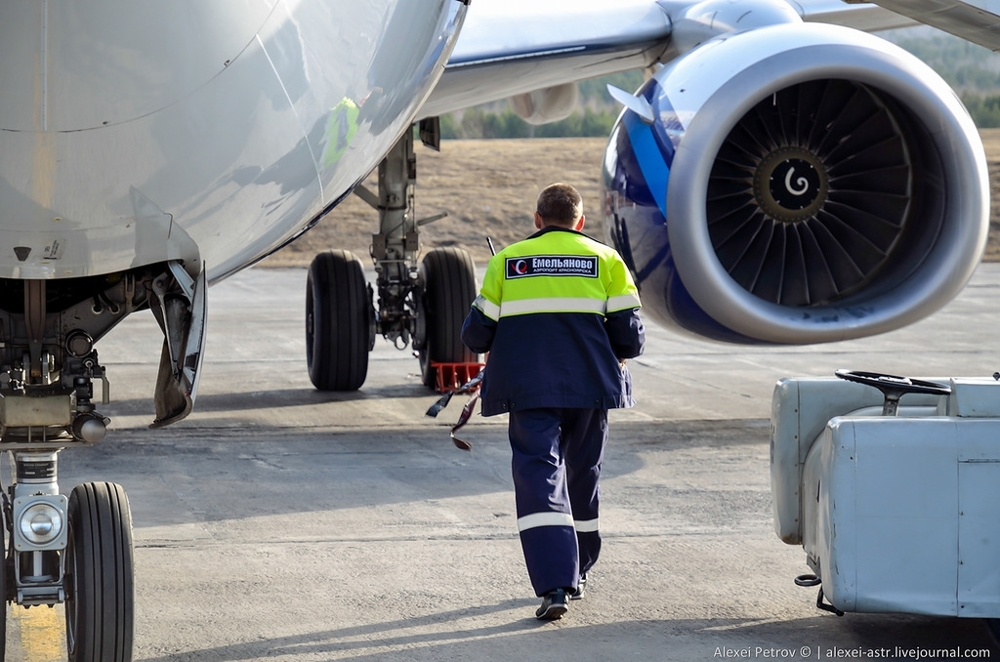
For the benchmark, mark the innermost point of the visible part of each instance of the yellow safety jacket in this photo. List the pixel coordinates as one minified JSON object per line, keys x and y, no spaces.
{"x":557,"y":312}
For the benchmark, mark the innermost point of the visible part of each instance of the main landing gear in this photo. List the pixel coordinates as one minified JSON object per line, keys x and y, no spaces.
{"x":421,"y":305}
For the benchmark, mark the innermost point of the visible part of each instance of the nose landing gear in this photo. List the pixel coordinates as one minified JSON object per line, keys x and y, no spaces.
{"x":77,"y":551}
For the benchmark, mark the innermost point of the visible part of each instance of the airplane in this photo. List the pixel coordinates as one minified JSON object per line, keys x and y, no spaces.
{"x":822,"y":184}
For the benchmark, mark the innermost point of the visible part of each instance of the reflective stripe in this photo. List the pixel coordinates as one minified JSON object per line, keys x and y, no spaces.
{"x":623,"y":302}
{"x":487,"y":307}
{"x":587,"y":526}
{"x":544,"y":519}
{"x":551,"y":306}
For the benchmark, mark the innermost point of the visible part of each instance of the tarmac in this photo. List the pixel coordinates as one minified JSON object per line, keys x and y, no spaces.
{"x":280,"y":523}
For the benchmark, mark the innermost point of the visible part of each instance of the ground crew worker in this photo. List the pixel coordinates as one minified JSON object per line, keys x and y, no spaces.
{"x":558,"y":313}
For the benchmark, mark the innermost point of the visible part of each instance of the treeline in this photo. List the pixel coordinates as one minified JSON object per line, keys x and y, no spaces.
{"x":480,"y":123}
{"x":967,"y":67}
{"x":477,"y":123}
{"x":985,"y":111}
{"x":973,"y":71}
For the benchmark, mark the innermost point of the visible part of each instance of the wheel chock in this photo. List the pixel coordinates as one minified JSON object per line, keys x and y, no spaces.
{"x":451,"y":376}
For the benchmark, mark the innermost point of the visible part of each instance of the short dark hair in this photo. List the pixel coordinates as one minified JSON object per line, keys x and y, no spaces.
{"x":560,"y":204}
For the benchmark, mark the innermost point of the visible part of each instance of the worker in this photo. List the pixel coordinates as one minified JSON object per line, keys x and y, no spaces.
{"x":559,"y":314}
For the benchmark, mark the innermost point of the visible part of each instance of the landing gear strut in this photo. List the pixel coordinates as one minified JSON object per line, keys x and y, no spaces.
{"x":421,"y":304}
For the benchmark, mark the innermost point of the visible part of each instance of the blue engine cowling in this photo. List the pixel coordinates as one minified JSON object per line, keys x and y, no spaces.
{"x":796,"y":184}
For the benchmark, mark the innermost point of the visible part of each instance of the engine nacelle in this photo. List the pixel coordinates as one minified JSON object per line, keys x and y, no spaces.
{"x":796,"y":184}
{"x":550,"y":104}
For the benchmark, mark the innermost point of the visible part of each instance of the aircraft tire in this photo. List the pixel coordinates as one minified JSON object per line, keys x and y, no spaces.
{"x":339,"y":322}
{"x":449,"y":278}
{"x":3,"y":597}
{"x":100,"y":582}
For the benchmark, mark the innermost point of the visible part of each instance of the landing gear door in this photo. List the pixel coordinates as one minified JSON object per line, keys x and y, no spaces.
{"x":180,"y":307}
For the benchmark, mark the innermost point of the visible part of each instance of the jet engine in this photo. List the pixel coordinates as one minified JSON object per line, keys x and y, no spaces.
{"x":796,"y":184}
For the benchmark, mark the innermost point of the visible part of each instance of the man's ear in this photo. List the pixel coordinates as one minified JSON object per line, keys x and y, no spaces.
{"x":538,"y":221}
{"x":578,"y":226}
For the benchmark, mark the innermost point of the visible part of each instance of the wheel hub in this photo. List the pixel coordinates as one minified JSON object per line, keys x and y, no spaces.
{"x":790,"y":184}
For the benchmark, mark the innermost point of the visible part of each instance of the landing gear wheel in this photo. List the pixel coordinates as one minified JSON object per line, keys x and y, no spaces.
{"x":100,"y":588}
{"x":892,"y":387}
{"x":449,"y":278}
{"x":4,"y":583}
{"x":340,"y":322}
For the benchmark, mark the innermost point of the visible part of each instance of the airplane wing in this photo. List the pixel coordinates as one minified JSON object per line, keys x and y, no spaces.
{"x":506,"y":49}
{"x":978,"y":22}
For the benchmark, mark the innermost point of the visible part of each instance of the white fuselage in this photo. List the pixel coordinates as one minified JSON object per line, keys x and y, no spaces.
{"x":132,"y":133}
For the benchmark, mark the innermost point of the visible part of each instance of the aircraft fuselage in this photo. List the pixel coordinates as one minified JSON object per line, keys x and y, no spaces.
{"x":132,"y":134}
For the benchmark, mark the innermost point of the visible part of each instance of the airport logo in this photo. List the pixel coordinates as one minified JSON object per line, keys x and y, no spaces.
{"x":552,"y":265}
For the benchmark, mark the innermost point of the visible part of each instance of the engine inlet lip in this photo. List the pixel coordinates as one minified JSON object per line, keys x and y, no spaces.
{"x":791,"y":184}
{"x":821,"y":52}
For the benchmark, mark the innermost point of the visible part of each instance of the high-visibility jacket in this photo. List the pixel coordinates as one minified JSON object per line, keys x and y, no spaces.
{"x":340,"y":130}
{"x":558,"y":312}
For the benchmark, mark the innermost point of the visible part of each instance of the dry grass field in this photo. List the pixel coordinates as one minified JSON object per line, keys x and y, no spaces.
{"x":488,"y":189}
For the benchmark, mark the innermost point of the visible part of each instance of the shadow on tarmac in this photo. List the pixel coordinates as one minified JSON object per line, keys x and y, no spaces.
{"x":456,"y":635}
{"x":278,"y":399}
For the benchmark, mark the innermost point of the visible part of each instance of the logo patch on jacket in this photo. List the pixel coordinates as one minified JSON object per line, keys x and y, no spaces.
{"x":552,"y":265}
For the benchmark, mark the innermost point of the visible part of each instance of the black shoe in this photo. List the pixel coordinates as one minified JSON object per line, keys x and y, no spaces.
{"x":553,"y":605}
{"x":580,"y":590}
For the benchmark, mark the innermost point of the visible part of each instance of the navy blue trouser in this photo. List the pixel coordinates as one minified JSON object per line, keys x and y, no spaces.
{"x":557,"y":466}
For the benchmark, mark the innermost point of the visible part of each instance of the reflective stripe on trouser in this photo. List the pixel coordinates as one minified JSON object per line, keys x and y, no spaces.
{"x":556,"y":468}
